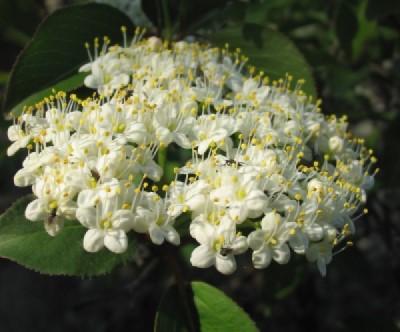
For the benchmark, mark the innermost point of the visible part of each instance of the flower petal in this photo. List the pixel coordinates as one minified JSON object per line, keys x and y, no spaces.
{"x":116,"y":241}
{"x":54,"y":226}
{"x":87,"y":216}
{"x":203,"y":232}
{"x":36,"y":211}
{"x":156,"y":234}
{"x":202,"y":256}
{"x":93,"y":240}
{"x":262,"y":258}
{"x":256,"y":239}
{"x":123,"y":219}
{"x":281,"y":255}
{"x":171,"y":235}
{"x":225,"y":264}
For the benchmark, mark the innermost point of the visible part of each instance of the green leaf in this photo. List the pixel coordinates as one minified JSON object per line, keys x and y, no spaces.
{"x":57,"y":49}
{"x":71,"y":83}
{"x":28,"y":244}
{"x":217,"y":312}
{"x":268,"y":50}
{"x":214,"y":311}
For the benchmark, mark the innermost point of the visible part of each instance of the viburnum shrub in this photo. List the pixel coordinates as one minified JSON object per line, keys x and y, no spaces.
{"x":266,"y":171}
{"x":178,"y":141}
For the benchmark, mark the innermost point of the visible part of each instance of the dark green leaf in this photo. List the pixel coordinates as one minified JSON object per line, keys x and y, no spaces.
{"x":72,"y":82}
{"x":57,"y":49}
{"x":28,"y":244}
{"x":214,"y":311}
{"x":270,"y":51}
{"x":217,"y":312}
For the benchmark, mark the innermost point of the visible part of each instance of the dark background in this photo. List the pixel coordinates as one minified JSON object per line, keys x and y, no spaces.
{"x":353,"y":48}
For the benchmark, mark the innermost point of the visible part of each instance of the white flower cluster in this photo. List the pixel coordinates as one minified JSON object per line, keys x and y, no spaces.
{"x":266,"y":170}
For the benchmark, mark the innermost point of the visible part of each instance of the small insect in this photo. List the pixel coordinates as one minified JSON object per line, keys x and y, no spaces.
{"x":225,"y":251}
{"x":232,"y":162}
{"x":52,"y":216}
{"x":182,"y":177}
{"x":95,"y":174}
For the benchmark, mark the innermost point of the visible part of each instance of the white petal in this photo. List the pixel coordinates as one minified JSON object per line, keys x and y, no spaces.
{"x":13,"y":148}
{"x":153,"y":170}
{"x":13,"y":132}
{"x":225,"y":264}
{"x":68,"y":209}
{"x":203,"y":146}
{"x":262,"y":258}
{"x":136,"y":133}
{"x":315,"y":232}
{"x":86,"y":67}
{"x":270,"y":222}
{"x":256,"y":202}
{"x":202,"y":256}
{"x":196,"y":202}
{"x":281,"y":255}
{"x":175,"y":210}
{"x":87,"y":216}
{"x":238,"y":212}
{"x":116,"y":241}
{"x":141,"y":222}
{"x":203,"y":232}
{"x":219,"y":134}
{"x":24,"y":178}
{"x":87,"y":198}
{"x":256,"y":239}
{"x":93,"y":240}
{"x":299,"y":242}
{"x":91,"y":81}
{"x":321,"y":267}
{"x":164,"y":135}
{"x":54,"y":226}
{"x":36,"y":211}
{"x":123,"y":219}
{"x":172,"y":236}
{"x":182,"y":140}
{"x":239,"y":246}
{"x":156,"y":234}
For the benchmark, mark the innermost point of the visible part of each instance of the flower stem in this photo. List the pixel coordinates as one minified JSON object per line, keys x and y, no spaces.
{"x":167,"y":31}
{"x":182,"y":288}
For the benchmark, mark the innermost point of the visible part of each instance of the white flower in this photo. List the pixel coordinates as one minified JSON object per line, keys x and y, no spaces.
{"x":255,"y":153}
{"x":107,"y":73}
{"x":33,"y":167}
{"x":336,"y":144}
{"x":107,"y":226}
{"x":152,"y":218}
{"x":101,"y":192}
{"x":218,"y":245}
{"x":239,"y":193}
{"x":252,"y":93}
{"x":321,"y":253}
{"x":173,"y":122}
{"x":53,"y":205}
{"x":213,"y":130}
{"x":19,"y":138}
{"x":270,"y":242}
{"x":184,"y":197}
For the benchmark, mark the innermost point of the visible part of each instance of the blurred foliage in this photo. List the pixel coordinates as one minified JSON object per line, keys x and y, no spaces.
{"x":353,"y":48}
